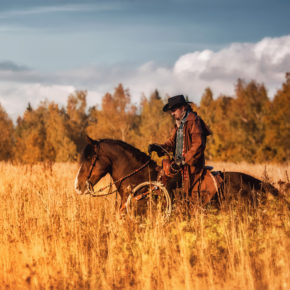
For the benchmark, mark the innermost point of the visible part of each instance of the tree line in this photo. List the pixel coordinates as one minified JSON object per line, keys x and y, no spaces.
{"x":246,"y":127}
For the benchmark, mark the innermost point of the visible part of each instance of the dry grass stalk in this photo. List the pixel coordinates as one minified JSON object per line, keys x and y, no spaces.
{"x":50,"y":237}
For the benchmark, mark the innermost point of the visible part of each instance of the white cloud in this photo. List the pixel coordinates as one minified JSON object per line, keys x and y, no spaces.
{"x":14,"y":97}
{"x":266,"y":61}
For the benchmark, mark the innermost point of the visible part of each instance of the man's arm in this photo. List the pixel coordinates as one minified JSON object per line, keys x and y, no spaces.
{"x":196,"y":150}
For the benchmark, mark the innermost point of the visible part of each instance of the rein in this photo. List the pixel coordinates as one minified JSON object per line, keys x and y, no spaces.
{"x":90,"y":186}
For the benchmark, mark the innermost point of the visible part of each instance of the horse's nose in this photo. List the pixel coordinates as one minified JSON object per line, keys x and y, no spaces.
{"x":81,"y":189}
{"x":78,"y":190}
{"x":78,"y":183}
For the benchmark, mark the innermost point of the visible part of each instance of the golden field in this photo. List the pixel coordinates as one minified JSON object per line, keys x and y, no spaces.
{"x":52,"y":238}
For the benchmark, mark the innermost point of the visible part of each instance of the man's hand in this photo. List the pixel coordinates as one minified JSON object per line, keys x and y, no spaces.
{"x":180,"y":162}
{"x":155,"y":147}
{"x":177,"y":164}
{"x":175,"y":167}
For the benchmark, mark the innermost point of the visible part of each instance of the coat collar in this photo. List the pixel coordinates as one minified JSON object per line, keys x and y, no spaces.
{"x":190,"y":117}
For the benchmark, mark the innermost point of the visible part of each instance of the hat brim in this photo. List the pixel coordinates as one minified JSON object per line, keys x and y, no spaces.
{"x":167,"y":107}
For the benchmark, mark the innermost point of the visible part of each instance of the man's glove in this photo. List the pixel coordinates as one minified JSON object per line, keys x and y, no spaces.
{"x":180,"y":162}
{"x":155,"y":147}
{"x":175,"y":166}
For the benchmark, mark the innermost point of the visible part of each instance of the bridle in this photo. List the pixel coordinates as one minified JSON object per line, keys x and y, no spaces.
{"x":90,"y":186}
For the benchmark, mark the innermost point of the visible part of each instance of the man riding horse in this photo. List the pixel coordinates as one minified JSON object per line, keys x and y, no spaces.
{"x":187,"y":142}
{"x":135,"y":174}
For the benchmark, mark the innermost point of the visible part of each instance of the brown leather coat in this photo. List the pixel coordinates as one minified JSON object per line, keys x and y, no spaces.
{"x":194,"y":142}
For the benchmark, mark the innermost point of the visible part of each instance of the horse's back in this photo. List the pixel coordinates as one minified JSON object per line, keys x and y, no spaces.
{"x":242,"y":182}
{"x":240,"y":179}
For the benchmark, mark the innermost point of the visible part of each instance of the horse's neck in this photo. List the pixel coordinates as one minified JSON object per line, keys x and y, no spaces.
{"x":124,"y":164}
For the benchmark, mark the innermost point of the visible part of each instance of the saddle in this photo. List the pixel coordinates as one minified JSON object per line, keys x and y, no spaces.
{"x":206,"y":186}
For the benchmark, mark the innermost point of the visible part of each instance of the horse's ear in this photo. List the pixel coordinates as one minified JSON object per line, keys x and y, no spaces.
{"x":90,"y":140}
{"x":93,"y":142}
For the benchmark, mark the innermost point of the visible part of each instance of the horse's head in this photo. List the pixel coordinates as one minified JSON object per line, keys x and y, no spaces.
{"x":93,"y":166}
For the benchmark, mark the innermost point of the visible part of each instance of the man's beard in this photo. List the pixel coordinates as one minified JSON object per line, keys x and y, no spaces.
{"x":178,"y":120}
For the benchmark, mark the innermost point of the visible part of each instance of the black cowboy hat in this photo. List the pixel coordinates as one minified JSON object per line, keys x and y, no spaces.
{"x":175,"y":102}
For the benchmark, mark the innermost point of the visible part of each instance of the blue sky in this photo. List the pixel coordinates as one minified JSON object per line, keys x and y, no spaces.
{"x":50,"y":48}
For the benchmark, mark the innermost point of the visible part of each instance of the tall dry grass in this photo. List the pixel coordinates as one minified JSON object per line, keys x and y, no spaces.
{"x":52,"y":238}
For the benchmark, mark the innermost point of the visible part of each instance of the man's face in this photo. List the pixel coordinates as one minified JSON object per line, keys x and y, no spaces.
{"x":178,"y":113}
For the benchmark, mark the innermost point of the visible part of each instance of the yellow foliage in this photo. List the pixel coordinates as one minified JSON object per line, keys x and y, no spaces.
{"x":6,"y":137}
{"x":248,"y":126}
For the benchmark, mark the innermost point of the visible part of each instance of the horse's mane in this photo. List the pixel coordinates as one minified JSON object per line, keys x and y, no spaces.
{"x":89,"y":151}
{"x":138,"y":154}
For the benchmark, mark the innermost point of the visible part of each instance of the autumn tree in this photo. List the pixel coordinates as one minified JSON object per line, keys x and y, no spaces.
{"x":247,"y":126}
{"x":43,"y":135}
{"x":30,"y":136}
{"x":221,"y":143}
{"x":277,"y":141}
{"x":248,"y":119}
{"x":155,"y":125}
{"x":6,"y":137}
{"x":77,"y":118}
{"x":116,"y":119}
{"x":58,"y":145}
{"x":206,"y":104}
{"x":207,"y":112}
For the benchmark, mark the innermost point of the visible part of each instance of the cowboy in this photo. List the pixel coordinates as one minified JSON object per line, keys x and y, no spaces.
{"x":187,"y":141}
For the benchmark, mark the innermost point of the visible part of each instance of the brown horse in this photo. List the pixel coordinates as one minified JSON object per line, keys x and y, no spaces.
{"x":120,"y":160}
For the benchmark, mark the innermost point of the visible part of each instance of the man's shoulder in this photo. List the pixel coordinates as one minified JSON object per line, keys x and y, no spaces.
{"x":196,"y":122}
{"x":192,"y":116}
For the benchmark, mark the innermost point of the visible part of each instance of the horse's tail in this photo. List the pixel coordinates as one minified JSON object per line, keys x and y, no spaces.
{"x":268,"y":187}
{"x":282,"y":193}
